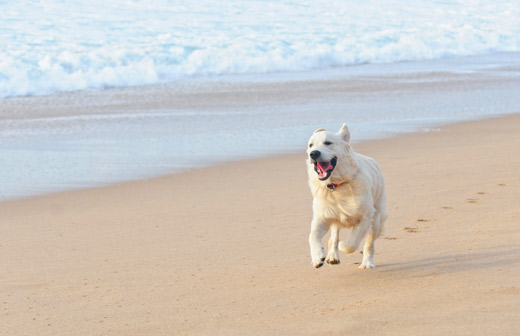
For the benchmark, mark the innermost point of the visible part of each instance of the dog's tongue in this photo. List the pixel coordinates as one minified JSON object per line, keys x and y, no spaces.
{"x":324,"y":166}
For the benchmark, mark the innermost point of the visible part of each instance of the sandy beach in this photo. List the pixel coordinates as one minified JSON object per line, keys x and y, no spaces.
{"x":223,"y":250}
{"x":153,"y":178}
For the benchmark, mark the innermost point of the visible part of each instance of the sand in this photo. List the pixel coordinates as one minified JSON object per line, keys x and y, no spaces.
{"x":223,"y":250}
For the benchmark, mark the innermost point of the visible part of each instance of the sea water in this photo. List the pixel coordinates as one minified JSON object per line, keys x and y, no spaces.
{"x":59,"y":45}
{"x":148,"y":72}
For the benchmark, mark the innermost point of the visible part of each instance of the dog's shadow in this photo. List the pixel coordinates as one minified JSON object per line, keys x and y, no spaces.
{"x":496,"y":258}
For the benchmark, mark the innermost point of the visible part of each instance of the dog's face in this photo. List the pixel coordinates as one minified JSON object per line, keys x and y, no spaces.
{"x":327,"y":150}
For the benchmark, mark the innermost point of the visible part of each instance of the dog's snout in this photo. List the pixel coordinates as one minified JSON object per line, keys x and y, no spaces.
{"x":315,"y":154}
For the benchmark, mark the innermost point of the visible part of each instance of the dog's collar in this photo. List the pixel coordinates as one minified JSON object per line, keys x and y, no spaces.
{"x":333,"y":186}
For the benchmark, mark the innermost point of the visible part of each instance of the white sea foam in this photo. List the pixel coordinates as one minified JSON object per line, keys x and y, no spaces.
{"x":57,"y":45}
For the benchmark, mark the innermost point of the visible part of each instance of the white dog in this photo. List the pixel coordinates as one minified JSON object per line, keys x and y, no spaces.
{"x":349,"y":192}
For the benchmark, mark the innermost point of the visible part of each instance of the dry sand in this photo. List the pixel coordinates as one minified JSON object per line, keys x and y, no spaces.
{"x":223,"y":250}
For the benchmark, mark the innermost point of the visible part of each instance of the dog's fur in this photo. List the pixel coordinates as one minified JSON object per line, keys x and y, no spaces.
{"x":358,"y":201}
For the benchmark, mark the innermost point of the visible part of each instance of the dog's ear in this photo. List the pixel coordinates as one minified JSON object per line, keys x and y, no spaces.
{"x":345,"y":133}
{"x":319,"y":130}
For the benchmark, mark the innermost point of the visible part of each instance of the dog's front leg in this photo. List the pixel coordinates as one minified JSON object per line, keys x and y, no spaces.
{"x":318,"y":230}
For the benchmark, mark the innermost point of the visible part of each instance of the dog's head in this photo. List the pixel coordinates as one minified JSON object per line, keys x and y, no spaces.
{"x":329,"y":155}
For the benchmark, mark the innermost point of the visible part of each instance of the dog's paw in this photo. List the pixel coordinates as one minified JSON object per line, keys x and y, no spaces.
{"x":367,"y":264}
{"x":318,"y":257}
{"x":332,"y":258}
{"x":318,"y":263}
{"x":332,"y":261}
{"x":345,"y":247}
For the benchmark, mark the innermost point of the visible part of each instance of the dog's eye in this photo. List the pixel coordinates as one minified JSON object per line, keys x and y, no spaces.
{"x":310,"y":145}
{"x":327,"y":143}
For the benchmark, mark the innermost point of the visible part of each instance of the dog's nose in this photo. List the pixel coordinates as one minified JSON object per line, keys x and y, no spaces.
{"x":315,"y":154}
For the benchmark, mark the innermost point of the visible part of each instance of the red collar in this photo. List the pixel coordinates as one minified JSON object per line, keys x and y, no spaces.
{"x":333,"y":186}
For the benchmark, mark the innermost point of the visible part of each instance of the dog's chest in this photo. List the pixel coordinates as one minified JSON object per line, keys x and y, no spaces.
{"x":343,"y":209}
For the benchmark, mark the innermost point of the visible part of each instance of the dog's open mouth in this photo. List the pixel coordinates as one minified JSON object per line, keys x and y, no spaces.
{"x":324,"y":169}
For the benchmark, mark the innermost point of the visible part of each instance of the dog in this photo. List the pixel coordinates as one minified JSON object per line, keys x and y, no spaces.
{"x":348,"y":192}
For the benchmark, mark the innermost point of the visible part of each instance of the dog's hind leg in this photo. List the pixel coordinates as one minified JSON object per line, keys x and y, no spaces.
{"x":318,"y":230}
{"x":358,"y":232}
{"x":368,"y":250}
{"x":332,"y":256}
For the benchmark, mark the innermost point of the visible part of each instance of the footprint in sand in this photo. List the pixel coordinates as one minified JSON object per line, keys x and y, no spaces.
{"x":390,"y":238}
{"x":412,"y":229}
{"x":424,"y":220}
{"x":472,"y":200}
{"x":448,"y":208}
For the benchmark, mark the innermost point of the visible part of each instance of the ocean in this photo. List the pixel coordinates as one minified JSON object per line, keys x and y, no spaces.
{"x":59,"y":45}
{"x":100,"y":92}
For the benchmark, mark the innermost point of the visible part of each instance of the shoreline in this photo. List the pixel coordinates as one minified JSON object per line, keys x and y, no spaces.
{"x":224,"y":250}
{"x":91,"y":138}
{"x":222,"y":165}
